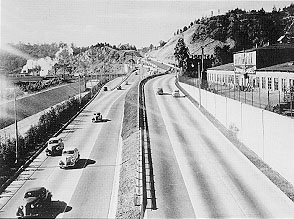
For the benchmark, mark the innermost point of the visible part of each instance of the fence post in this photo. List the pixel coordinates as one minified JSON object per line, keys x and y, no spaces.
{"x":245,"y":95}
{"x":268,"y":101}
{"x":262,"y":120}
{"x":259,"y":97}
{"x":252,"y":95}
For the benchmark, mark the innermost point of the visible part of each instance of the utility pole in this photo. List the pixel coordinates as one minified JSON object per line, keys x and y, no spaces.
{"x":80,"y":98}
{"x":199,"y":84}
{"x":16,"y":130}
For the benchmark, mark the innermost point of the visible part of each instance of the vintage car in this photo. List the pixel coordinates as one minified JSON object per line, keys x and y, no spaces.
{"x":176,"y":93}
{"x":36,"y":202}
{"x":105,"y":88}
{"x":97,"y":117}
{"x":54,"y":146}
{"x":159,"y":91}
{"x":70,"y":157}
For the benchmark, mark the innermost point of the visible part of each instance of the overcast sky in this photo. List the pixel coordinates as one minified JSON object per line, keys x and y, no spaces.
{"x":87,"y":22}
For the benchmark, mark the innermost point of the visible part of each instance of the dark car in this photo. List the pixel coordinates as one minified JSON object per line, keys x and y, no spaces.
{"x":159,"y":91}
{"x":54,"y":146}
{"x":105,"y":88}
{"x":97,"y":117}
{"x":36,"y":203}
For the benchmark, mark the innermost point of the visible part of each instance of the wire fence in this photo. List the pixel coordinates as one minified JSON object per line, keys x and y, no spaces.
{"x":275,"y":101}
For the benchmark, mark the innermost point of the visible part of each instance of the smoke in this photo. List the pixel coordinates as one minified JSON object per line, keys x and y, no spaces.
{"x":45,"y":65}
{"x":65,"y":48}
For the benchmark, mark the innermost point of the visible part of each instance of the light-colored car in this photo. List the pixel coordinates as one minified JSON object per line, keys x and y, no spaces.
{"x":35,"y":203}
{"x":176,"y":93}
{"x":159,"y":91}
{"x":70,"y":157}
{"x":126,"y":83}
{"x":54,"y":146}
{"x":97,"y":117}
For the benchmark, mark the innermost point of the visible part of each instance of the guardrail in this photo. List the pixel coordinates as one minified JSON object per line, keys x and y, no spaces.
{"x":144,"y":156}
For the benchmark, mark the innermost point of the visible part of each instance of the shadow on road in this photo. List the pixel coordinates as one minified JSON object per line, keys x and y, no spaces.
{"x":103,"y":120}
{"x":54,"y":208}
{"x":82,"y":163}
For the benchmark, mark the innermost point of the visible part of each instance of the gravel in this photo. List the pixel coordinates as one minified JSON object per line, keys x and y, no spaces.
{"x":130,"y":134}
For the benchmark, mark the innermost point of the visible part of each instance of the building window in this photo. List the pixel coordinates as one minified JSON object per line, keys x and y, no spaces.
{"x":263,"y":82}
{"x":290,"y":82}
{"x":276,"y":83}
{"x":237,"y":79}
{"x":269,"y":83}
{"x":257,"y":81}
{"x":283,"y":84}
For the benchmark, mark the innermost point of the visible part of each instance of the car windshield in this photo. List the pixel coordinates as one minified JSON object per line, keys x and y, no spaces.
{"x":31,"y":194}
{"x":53,"y":141}
{"x":69,"y":152}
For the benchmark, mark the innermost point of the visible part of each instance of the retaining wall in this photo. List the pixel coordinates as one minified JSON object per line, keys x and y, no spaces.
{"x":268,"y":134}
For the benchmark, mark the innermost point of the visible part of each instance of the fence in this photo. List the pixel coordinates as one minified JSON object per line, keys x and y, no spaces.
{"x":275,"y":101}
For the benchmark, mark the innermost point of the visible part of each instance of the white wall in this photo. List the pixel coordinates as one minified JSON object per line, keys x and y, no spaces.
{"x":268,"y":134}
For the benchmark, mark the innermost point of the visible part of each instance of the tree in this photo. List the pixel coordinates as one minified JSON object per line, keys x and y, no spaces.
{"x":181,"y":54}
{"x":161,"y":43}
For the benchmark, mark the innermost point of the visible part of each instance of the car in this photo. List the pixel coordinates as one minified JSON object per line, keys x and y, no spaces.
{"x":119,"y":87}
{"x":126,"y":83}
{"x":105,"y":88}
{"x":159,"y":91}
{"x":70,"y":157}
{"x":54,"y":146}
{"x":36,"y":202}
{"x":97,"y":117}
{"x":176,"y":93}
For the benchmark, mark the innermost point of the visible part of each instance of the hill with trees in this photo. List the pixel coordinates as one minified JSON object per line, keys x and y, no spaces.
{"x":223,"y":35}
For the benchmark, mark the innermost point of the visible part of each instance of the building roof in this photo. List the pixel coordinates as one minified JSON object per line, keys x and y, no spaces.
{"x":284,"y":67}
{"x":225,"y":67}
{"x":270,"y":47}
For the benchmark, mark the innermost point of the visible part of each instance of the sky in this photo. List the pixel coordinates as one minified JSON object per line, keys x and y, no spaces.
{"x":88,"y":22}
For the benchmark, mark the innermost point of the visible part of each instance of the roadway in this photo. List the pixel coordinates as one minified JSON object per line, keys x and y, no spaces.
{"x":197,"y":171}
{"x":90,"y":189}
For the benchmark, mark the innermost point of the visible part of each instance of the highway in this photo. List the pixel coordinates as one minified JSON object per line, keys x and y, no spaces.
{"x":198,"y":173}
{"x":90,"y":189}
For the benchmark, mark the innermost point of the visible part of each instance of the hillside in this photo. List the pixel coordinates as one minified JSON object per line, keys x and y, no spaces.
{"x":238,"y":29}
{"x":166,"y":53}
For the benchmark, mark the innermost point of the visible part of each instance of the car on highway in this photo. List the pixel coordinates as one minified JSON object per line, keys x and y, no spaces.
{"x":119,"y":87}
{"x":54,"y":146}
{"x":176,"y":93}
{"x":105,"y":88}
{"x":126,"y":83}
{"x":70,"y":157}
{"x":36,"y":201}
{"x":159,"y":91}
{"x":97,"y":117}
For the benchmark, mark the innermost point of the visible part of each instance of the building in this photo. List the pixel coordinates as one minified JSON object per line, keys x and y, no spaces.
{"x":268,"y":67}
{"x":276,"y":78}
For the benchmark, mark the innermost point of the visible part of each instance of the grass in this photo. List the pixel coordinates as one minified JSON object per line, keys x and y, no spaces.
{"x":31,"y":105}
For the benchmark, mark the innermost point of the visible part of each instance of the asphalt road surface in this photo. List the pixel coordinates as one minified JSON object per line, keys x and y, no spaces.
{"x":89,"y":189}
{"x":197,"y":171}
